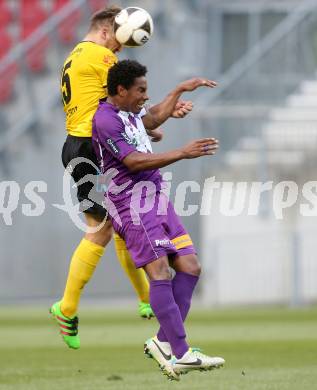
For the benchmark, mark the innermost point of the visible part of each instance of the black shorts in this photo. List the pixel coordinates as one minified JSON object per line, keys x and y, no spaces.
{"x":87,"y":193}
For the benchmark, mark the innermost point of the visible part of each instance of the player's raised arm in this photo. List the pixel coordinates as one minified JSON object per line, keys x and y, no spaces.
{"x":155,"y":134}
{"x":136,"y":161}
{"x":171,"y":106}
{"x":182,"y":108}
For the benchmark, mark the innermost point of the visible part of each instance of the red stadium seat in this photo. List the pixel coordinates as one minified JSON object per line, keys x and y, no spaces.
{"x":7,"y":85}
{"x":6,"y":42}
{"x":67,"y":29}
{"x":96,"y":5}
{"x":7,"y":76}
{"x":6,"y":15}
{"x":32,"y":15}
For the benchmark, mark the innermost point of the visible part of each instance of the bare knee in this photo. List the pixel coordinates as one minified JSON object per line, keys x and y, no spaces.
{"x":188,"y":264}
{"x":103,"y":230}
{"x":195,"y":268}
{"x":159,"y":269}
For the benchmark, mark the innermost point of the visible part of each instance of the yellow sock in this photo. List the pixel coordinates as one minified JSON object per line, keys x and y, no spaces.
{"x":82,"y":267}
{"x":137,"y":276}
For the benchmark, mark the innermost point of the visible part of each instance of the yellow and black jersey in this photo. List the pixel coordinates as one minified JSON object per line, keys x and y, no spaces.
{"x":83,"y":84}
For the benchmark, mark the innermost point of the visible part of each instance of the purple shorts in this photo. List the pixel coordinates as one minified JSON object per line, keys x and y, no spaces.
{"x":152,"y":234}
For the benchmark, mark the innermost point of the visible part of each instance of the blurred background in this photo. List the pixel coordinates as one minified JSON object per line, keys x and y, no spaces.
{"x":263,"y":53}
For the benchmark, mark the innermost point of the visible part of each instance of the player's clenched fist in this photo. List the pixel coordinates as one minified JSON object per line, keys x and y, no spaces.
{"x":200,"y":147}
{"x":182,"y":108}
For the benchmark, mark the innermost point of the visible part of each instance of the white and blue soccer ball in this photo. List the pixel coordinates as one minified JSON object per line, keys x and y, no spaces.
{"x":133,"y":26}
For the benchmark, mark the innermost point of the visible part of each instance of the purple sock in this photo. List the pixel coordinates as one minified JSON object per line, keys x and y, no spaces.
{"x":183,"y":286}
{"x":168,"y":315}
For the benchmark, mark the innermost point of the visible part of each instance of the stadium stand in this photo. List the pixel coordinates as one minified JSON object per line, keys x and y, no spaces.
{"x":95,"y":5}
{"x":67,"y":31}
{"x":6,"y":42}
{"x":6,"y":15}
{"x":8,"y":75}
{"x":290,"y":134}
{"x":32,"y":15}
{"x":256,"y":98}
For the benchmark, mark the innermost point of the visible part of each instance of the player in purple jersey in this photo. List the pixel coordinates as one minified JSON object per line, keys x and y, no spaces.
{"x":153,"y":233}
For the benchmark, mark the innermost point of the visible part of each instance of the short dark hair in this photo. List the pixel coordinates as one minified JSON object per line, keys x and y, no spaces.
{"x":124,"y":73}
{"x":99,"y":18}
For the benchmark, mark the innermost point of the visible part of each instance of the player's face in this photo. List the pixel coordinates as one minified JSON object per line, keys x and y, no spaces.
{"x":137,"y":95}
{"x":110,"y":40}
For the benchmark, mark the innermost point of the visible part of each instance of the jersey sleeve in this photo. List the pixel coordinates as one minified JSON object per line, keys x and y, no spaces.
{"x":111,"y":135}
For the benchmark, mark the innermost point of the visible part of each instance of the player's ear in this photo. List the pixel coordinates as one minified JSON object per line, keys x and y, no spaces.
{"x":122,"y":92}
{"x":105,"y":31}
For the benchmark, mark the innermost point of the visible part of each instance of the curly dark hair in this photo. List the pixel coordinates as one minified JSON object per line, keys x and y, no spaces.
{"x":124,"y":73}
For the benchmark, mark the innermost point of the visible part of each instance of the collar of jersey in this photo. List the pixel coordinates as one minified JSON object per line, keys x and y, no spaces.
{"x":104,"y":103}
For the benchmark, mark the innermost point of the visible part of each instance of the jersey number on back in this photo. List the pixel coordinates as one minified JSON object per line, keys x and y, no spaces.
{"x":67,"y":93}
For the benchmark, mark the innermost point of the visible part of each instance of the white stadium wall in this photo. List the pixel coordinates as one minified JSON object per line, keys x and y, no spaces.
{"x":258,"y":260}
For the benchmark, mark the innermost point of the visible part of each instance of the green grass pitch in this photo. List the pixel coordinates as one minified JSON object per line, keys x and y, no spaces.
{"x":265,"y":349}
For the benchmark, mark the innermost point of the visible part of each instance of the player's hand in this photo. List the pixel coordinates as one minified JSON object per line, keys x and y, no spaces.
{"x":192,"y":84}
{"x":156,"y":134}
{"x":182,"y":108}
{"x":200,"y":147}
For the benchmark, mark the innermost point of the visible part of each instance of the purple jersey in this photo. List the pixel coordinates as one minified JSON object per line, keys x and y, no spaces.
{"x":116,"y":134}
{"x":149,"y":234}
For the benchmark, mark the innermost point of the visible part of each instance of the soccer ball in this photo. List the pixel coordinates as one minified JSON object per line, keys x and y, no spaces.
{"x":133,"y":26}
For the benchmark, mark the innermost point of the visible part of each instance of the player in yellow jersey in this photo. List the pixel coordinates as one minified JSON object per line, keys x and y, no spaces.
{"x":83,"y":80}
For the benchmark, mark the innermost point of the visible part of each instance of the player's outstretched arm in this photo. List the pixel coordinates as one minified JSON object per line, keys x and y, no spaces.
{"x":182,"y":108}
{"x":171,"y":106}
{"x":155,"y":134}
{"x":136,"y":161}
